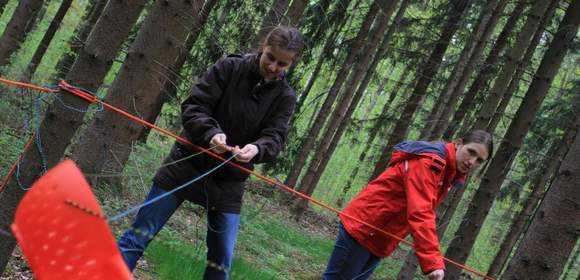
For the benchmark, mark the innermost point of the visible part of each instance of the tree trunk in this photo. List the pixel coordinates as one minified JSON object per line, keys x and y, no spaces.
{"x":350,"y":99}
{"x":425,"y":76}
{"x":80,"y":35}
{"x":519,"y":72}
{"x":59,"y":123}
{"x":106,"y":144}
{"x":295,"y":12}
{"x":456,"y":89}
{"x":322,"y":115}
{"x":169,"y":89}
{"x":551,"y":237}
{"x":271,"y":19}
{"x":488,"y":68}
{"x":513,"y":57}
{"x":551,"y":164}
{"x":45,"y":42}
{"x":15,"y":32}
{"x":379,"y":124}
{"x":493,"y":178}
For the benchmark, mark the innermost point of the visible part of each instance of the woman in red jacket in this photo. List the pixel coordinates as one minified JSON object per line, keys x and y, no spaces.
{"x":402,"y":200}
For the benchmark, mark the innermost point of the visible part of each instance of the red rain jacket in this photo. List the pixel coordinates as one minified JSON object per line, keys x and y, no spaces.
{"x":403,"y":199}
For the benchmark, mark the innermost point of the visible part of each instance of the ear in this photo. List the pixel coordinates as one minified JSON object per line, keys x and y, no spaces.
{"x":458,"y":142}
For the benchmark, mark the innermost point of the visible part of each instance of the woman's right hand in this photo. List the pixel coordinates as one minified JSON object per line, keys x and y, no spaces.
{"x":437,"y":274}
{"x":218,"y":144}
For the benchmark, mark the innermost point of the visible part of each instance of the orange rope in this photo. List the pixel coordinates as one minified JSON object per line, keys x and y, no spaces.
{"x":13,"y":167}
{"x":91,"y":98}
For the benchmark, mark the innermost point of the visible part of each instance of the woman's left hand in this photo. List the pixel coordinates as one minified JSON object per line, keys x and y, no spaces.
{"x":247,"y":153}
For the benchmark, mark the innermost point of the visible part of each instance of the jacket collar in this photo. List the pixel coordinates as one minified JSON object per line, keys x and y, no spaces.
{"x":452,"y":176}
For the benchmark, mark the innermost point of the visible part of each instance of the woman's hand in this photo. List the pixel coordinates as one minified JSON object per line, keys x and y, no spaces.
{"x":245,"y":154}
{"x":436,"y":274}
{"x":218,"y":144}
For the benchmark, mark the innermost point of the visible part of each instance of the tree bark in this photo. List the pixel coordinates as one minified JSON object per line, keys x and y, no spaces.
{"x":25,"y":15}
{"x":169,"y":89}
{"x":495,"y":175}
{"x":349,"y":101}
{"x":80,"y":35}
{"x":425,"y":76}
{"x":106,"y":144}
{"x":59,"y":123}
{"x":485,"y":74}
{"x":295,"y":12}
{"x":513,"y":57}
{"x":45,"y":42}
{"x":324,"y":111}
{"x":551,"y":164}
{"x":553,"y":232}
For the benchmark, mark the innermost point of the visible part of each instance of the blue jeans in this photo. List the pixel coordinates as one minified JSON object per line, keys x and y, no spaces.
{"x":221,"y":234}
{"x":349,"y":260}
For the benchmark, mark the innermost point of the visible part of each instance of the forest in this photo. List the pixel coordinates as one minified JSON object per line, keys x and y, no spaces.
{"x":373,"y":73}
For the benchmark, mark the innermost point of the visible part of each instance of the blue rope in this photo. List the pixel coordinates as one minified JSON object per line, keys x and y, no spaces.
{"x":186,"y":184}
{"x":38,"y":139}
{"x":101,"y":107}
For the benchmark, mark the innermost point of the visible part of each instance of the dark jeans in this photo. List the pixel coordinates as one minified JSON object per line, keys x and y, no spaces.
{"x":349,"y":260}
{"x":221,"y":234}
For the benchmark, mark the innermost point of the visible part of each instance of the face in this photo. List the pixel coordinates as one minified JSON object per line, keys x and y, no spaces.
{"x":274,"y":61}
{"x":470,"y":156}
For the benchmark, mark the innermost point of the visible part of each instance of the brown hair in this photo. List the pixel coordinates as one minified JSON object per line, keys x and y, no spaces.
{"x":285,"y":37}
{"x":479,"y":136}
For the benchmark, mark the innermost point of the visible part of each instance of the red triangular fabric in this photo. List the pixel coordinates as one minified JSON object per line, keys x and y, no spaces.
{"x":62,"y":230}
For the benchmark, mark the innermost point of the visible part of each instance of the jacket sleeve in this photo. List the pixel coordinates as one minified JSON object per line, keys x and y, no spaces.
{"x":197,"y":110}
{"x":275,"y":130}
{"x":421,"y":193}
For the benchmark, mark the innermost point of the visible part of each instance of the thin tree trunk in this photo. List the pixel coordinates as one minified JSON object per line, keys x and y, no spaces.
{"x":485,"y":74}
{"x":328,"y":45}
{"x":485,"y":16}
{"x":271,"y":19}
{"x":322,"y":115}
{"x":495,"y":175}
{"x":106,"y":144}
{"x":169,"y":89}
{"x":457,"y":89}
{"x":295,"y":12}
{"x":425,"y":76}
{"x":380,"y":123}
{"x":15,"y":32}
{"x":45,"y":42}
{"x":341,"y":116}
{"x":59,"y":123}
{"x":513,"y":57}
{"x":519,"y":72}
{"x":80,"y":35}
{"x":551,"y":164}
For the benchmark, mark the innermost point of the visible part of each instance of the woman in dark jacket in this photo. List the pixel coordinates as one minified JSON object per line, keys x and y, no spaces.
{"x":241,"y":106}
